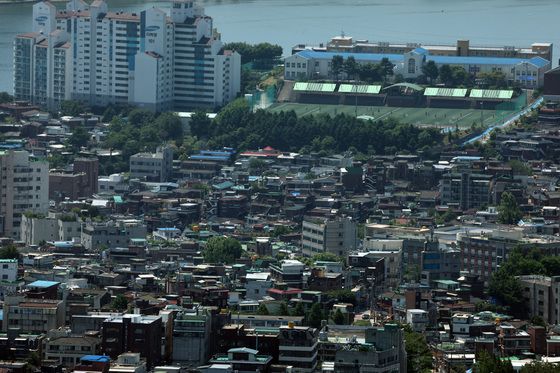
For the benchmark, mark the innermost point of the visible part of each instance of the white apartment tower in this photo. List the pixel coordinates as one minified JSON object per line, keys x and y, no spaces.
{"x":150,"y":59}
{"x":24,"y":187}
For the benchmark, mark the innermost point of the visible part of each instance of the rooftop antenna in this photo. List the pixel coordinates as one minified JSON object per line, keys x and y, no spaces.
{"x":342,"y":32}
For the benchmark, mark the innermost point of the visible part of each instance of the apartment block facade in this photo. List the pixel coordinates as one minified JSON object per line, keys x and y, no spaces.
{"x":337,"y":236}
{"x":151,"y":59}
{"x":24,"y":189}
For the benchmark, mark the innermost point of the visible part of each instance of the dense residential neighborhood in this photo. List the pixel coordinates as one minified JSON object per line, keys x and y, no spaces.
{"x":171,"y":203}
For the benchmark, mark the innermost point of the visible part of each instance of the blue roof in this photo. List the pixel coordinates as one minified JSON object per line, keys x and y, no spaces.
{"x":201,"y":157}
{"x":451,"y":60}
{"x":42,"y":284}
{"x":357,"y":56}
{"x":456,"y":60}
{"x":168,"y":229}
{"x":101,"y":358}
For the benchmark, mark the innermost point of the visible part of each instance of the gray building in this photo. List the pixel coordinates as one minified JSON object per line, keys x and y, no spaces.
{"x":382,"y":351}
{"x":152,"y":166}
{"x":298,"y":347}
{"x":191,"y":336}
{"x":338,"y":236}
{"x":112,"y":234}
{"x":466,"y":191}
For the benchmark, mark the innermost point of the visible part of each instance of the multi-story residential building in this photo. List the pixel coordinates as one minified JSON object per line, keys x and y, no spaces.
{"x":191,"y":336}
{"x":289,"y":271}
{"x":542,"y":297}
{"x":244,"y":360}
{"x":466,"y":190}
{"x":256,"y":285}
{"x":58,"y":227}
{"x":337,"y":236}
{"x":152,"y":166}
{"x":112,"y":234}
{"x":483,"y":252}
{"x":67,"y":349}
{"x":298,"y":346}
{"x":150,"y":59}
{"x":25,"y":188}
{"x":8,"y":277}
{"x":133,"y":333}
{"x":32,"y":315}
{"x":382,"y":350}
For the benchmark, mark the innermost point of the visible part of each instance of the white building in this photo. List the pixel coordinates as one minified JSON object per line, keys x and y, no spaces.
{"x":36,"y":228}
{"x":151,"y":59}
{"x":336,"y":236}
{"x":417,"y":319}
{"x":527,"y":72}
{"x":257,"y":284}
{"x":112,"y":184}
{"x":25,"y":189}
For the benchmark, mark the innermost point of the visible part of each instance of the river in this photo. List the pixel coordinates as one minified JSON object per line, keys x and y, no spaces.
{"x":290,"y":22}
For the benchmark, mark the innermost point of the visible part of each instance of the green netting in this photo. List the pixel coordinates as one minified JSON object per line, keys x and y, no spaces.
{"x":498,"y":94}
{"x":513,"y":105}
{"x":445,"y":92}
{"x":314,"y":87}
{"x":262,"y":99}
{"x":362,"y":89}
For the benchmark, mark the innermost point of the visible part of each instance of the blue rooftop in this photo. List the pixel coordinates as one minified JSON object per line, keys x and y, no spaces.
{"x":100,"y":358}
{"x":201,"y":157}
{"x":357,"y":56}
{"x":451,"y":60}
{"x":63,"y":244}
{"x":42,"y":284}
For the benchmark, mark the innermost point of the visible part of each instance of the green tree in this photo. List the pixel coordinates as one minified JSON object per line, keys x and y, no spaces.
{"x":386,"y":68}
{"x":72,"y":108}
{"x":299,"y":310}
{"x":338,"y":317}
{"x":6,"y":97}
{"x":418,"y":354}
{"x":284,"y":309}
{"x":343,"y":296}
{"x":520,"y":168}
{"x":430,"y":70}
{"x":169,"y":126}
{"x":200,"y":124}
{"x":446,"y":75}
{"x":337,"y":65}
{"x":79,"y":138}
{"x":222,"y":250}
{"x":369,"y":73}
{"x":9,"y":252}
{"x":508,"y":210}
{"x":120,"y":303}
{"x":486,"y":363}
{"x":350,"y":67}
{"x":327,"y":257}
{"x":540,"y":367}
{"x":315,"y":316}
{"x":507,"y":289}
{"x":262,"y":310}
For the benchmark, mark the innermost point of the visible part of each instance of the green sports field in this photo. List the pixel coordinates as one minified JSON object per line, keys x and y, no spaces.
{"x":432,"y":117}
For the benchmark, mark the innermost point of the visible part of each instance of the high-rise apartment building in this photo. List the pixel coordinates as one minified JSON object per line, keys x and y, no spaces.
{"x":24,"y":188}
{"x":152,"y":59}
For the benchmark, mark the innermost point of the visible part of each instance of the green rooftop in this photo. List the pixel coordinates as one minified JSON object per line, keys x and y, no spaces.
{"x":445,"y":92}
{"x":492,"y":94}
{"x":314,"y":87}
{"x":361,"y":89}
